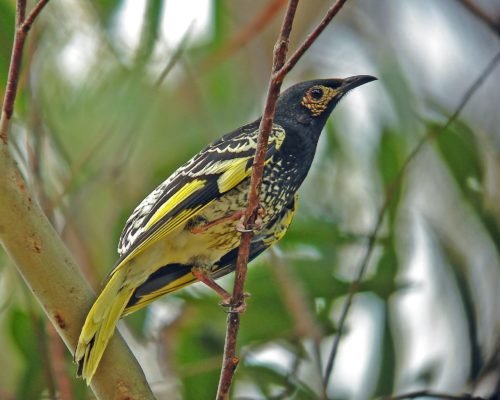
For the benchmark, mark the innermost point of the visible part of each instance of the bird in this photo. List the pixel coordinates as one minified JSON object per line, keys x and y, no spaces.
{"x":188,"y":229}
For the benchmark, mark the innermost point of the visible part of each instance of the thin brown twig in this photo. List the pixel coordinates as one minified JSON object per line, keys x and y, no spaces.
{"x":20,"y":12}
{"x":28,"y":22}
{"x":493,"y":24}
{"x":22,"y":28}
{"x":278,"y":73}
{"x":431,"y":394}
{"x":311,"y":38}
{"x":392,"y":188}
{"x":230,"y":361}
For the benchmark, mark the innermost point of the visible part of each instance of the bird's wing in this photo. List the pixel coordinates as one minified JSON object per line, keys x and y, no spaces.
{"x":215,"y":170}
{"x":176,"y":276}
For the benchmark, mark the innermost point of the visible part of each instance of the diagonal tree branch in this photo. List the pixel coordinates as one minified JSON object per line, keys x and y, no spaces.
{"x":493,"y":24}
{"x":278,"y":73}
{"x":42,"y":259}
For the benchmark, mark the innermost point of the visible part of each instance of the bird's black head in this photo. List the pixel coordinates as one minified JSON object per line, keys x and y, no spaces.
{"x":307,"y":105}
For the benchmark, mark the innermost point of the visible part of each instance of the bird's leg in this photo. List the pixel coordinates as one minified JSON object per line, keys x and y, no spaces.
{"x":202,"y":275}
{"x":256,"y":226}
{"x":234,"y":216}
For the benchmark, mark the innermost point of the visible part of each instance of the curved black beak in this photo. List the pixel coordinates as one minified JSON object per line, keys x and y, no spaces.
{"x":355,"y":81}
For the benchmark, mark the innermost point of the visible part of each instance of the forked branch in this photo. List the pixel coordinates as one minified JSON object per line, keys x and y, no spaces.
{"x":23,"y":26}
{"x":278,"y":73}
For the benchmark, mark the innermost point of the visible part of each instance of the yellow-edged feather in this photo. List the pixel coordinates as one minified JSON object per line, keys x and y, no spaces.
{"x":187,"y":190}
{"x":234,"y":174}
{"x":100,"y":325}
{"x":159,"y":244}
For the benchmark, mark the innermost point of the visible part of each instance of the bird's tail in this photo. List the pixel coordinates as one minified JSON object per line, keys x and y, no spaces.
{"x":100,"y":325}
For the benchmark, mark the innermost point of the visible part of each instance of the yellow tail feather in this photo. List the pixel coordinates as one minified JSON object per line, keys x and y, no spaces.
{"x":100,"y":325}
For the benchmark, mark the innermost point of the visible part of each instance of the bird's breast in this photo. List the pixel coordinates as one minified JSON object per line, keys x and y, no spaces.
{"x":279,"y":185}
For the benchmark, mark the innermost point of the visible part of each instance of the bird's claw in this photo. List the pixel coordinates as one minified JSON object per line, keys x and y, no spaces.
{"x":256,"y":226}
{"x":235,"y":308}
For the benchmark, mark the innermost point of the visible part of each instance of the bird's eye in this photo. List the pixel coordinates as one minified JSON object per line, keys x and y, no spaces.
{"x":316,"y":93}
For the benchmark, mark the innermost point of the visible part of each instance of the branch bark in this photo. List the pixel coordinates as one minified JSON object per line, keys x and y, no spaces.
{"x":278,"y":73}
{"x":230,"y":361}
{"x":42,"y":259}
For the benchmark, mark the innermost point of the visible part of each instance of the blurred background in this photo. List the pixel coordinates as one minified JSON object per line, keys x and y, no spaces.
{"x":116,"y":94}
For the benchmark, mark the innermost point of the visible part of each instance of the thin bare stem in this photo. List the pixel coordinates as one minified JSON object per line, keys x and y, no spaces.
{"x":230,"y":361}
{"x":393,"y":187}
{"x":278,"y":73}
{"x":22,"y":28}
{"x":431,"y":394}
{"x":28,"y":22}
{"x":297,"y":55}
{"x":493,"y":23}
{"x":20,"y":12}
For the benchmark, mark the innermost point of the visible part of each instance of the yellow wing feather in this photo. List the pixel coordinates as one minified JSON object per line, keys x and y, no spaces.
{"x":100,"y":325}
{"x":187,"y":190}
{"x":185,"y":203}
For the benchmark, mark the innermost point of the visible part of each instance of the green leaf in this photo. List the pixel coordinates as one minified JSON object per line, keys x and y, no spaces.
{"x":459,"y":150}
{"x":383,"y":283}
{"x":387,"y":351}
{"x":106,"y":9}
{"x":22,"y":334}
{"x":458,"y":263}
{"x":150,"y":30}
{"x":390,"y":160}
{"x":25,"y":334}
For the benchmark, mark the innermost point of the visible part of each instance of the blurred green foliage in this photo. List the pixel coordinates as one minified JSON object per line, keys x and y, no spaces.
{"x":96,"y":134}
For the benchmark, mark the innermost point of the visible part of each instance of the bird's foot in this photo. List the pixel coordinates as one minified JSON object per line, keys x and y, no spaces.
{"x":202,"y":275}
{"x":256,"y":226}
{"x":235,"y":308}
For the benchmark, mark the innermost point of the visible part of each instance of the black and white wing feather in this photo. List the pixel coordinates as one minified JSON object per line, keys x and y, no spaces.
{"x":215,"y":170}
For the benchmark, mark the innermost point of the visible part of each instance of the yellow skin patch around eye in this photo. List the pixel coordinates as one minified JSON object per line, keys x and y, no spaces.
{"x":317,"y":106}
